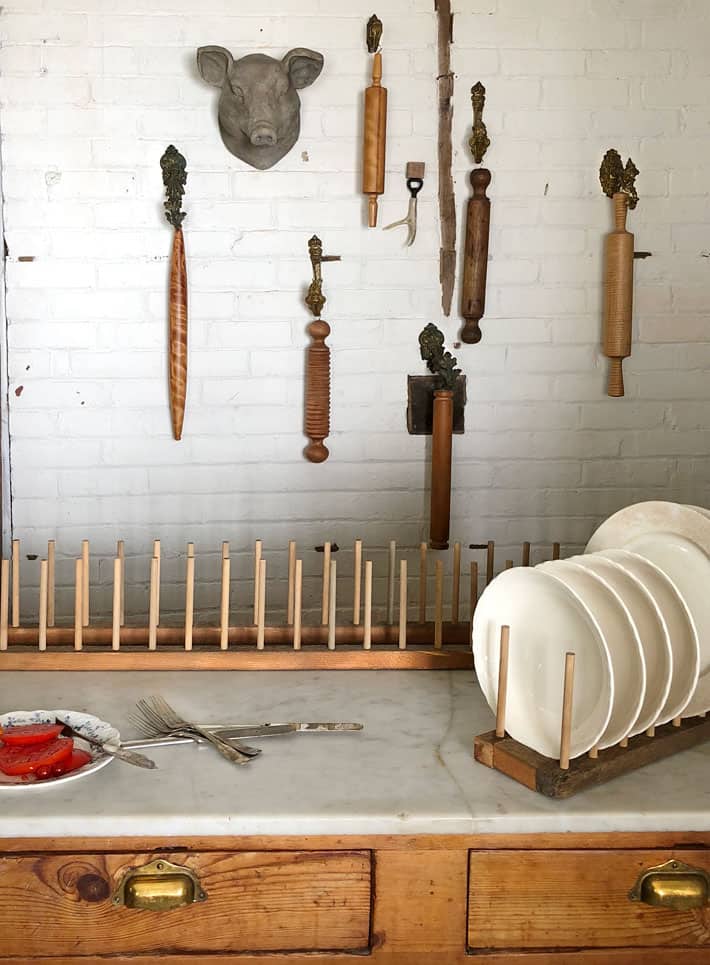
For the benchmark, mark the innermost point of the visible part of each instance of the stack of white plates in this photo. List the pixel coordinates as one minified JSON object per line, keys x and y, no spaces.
{"x":634,"y":609}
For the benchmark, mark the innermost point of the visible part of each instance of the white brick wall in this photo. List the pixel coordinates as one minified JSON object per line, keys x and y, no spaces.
{"x":93,"y":91}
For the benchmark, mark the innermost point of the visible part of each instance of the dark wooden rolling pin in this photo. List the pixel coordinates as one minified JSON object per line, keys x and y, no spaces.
{"x":375,"y":128}
{"x":478,"y":218}
{"x":618,"y":296}
{"x":174,"y":178}
{"x":317,"y":391}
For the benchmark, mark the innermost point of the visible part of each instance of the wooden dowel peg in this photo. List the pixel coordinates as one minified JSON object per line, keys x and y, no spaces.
{"x":594,"y":752}
{"x":676,"y":721}
{"x":332,"y":610}
{"x":509,"y":564}
{"x":297,"y":604}
{"x":42,"y":636}
{"x":116,"y":606}
{"x":473,"y":592}
{"x":291,"y":599}
{"x":422,"y":581}
{"x":225,"y":549}
{"x":438,"y":604}
{"x":490,"y":560}
{"x":402,"y":604}
{"x":624,"y":742}
{"x":51,"y":582}
{"x":153,"y":615}
{"x":391,"y":567}
{"x":86,"y":588}
{"x":78,"y":604}
{"x":325,"y":593}
{"x":189,"y":594}
{"x":651,"y":732}
{"x":555,"y":551}
{"x":456,"y":583}
{"x":502,"y":680}
{"x":156,"y":556}
{"x":357,"y":581}
{"x":224,"y":602}
{"x":257,"y":562}
{"x":567,"y":696}
{"x":4,"y":601}
{"x":526,"y":554}
{"x":261,"y":617}
{"x":121,"y":554}
{"x":16,"y":583}
{"x":367,"y":616}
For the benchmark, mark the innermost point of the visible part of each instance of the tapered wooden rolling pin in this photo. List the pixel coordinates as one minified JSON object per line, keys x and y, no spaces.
{"x":441,"y":435}
{"x":317,"y":394}
{"x":618,"y":295}
{"x":174,"y":178}
{"x":478,"y":217}
{"x":375,"y":129}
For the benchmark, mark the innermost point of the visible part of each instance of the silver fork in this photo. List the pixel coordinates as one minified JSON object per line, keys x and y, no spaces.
{"x":160,"y":717}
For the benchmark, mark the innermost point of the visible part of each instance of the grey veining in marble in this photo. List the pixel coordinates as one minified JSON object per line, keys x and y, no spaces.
{"x":411,"y":771}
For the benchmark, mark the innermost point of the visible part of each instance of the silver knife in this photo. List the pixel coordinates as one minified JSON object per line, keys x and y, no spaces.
{"x":239,"y":731}
{"x":128,"y":756}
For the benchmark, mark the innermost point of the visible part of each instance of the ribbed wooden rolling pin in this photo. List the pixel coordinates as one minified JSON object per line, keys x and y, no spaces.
{"x":478,"y":218}
{"x":618,"y":295}
{"x":317,"y":394}
{"x":174,"y":177}
{"x":375,"y":129}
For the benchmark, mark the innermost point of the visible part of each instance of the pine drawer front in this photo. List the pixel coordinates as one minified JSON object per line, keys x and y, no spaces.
{"x":65,"y":904}
{"x":579,"y":899}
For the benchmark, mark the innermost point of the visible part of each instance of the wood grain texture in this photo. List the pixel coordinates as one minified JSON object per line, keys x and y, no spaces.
{"x":576,"y":899}
{"x":475,"y":263}
{"x":618,"y":295}
{"x":272,"y":901}
{"x":374,"y":140}
{"x":317,"y":393}
{"x":177,"y":334}
{"x":447,"y":203}
{"x":441,"y":442}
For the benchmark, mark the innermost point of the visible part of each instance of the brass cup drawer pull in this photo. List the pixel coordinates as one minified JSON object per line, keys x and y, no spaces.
{"x":159,"y":886}
{"x":673,"y":885}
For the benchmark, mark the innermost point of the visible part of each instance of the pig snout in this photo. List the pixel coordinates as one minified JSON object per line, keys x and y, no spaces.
{"x":262,"y":134}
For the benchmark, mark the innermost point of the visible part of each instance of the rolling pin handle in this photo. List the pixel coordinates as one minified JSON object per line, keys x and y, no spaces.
{"x":615,"y":389}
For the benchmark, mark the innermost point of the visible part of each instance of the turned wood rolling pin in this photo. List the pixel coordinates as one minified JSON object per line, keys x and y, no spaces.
{"x":317,"y":392}
{"x":618,"y":296}
{"x":375,"y":128}
{"x":174,"y":177}
{"x":441,"y":436}
{"x":478,"y":218}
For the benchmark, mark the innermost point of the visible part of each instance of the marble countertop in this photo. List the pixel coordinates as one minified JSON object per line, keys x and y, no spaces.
{"x":411,"y":771}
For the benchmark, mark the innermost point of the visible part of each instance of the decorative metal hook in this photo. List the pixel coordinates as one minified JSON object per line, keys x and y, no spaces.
{"x":479,"y":141}
{"x":374,"y":33}
{"x":439,"y":362}
{"x":615,"y":177}
{"x":315,"y":299}
{"x":174,"y":168}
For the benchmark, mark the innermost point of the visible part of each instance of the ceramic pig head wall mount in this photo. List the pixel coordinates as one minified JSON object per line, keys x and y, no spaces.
{"x":259,"y":107}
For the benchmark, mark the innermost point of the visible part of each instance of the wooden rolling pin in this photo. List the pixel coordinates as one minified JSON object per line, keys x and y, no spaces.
{"x":441,"y":435}
{"x":317,"y":393}
{"x":478,"y":218}
{"x":618,"y":295}
{"x":174,"y":177}
{"x":375,"y":129}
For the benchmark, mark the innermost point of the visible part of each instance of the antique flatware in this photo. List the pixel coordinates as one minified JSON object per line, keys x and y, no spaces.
{"x":113,"y":750}
{"x":415,"y":182}
{"x":237,"y":731}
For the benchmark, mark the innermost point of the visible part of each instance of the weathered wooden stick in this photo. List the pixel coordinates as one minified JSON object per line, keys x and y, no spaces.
{"x":526,"y":554}
{"x":156,"y":556}
{"x":224,"y":604}
{"x":357,"y":581}
{"x":438,"y":604}
{"x":502,"y":681}
{"x":262,"y":606}
{"x":51,"y":582}
{"x":375,"y":127}
{"x":257,"y":562}
{"x":116,"y":607}
{"x":297,"y":604}
{"x":86,"y":587}
{"x":367,"y":624}
{"x":120,"y":553}
{"x":43,"y":574}
{"x":153,"y":612}
{"x":490,"y":561}
{"x":4,"y":601}
{"x":78,"y":603}
{"x":325,"y":585}
{"x":441,"y":444}
{"x":456,"y":583}
{"x":189,"y":594}
{"x":422,"y":581}
{"x":332,"y":606}
{"x":391,"y":567}
{"x":473,"y":592}
{"x":16,"y":583}
{"x":447,"y":203}
{"x":567,"y":696}
{"x":402,"y":604}
{"x":290,"y":603}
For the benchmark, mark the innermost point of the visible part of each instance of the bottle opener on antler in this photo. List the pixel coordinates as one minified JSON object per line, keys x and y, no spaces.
{"x":415,"y":182}
{"x":173,"y":165}
{"x":617,"y":181}
{"x":317,"y":395}
{"x":375,"y":131}
{"x":475,"y":265}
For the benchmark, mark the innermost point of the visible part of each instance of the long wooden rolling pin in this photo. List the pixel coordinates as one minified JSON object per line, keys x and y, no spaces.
{"x":478,"y":218}
{"x":375,"y":128}
{"x":618,"y":295}
{"x":174,"y":178}
{"x":441,"y":436}
{"x":317,"y":392}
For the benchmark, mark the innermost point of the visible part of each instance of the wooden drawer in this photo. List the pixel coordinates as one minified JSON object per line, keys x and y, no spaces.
{"x":63,"y":904}
{"x":575,"y":899}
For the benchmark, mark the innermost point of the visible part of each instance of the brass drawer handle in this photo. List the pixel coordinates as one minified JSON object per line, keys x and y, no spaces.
{"x":159,"y":886}
{"x":672,"y":885}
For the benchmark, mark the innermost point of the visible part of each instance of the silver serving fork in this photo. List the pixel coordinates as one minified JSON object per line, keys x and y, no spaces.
{"x":158,"y":716}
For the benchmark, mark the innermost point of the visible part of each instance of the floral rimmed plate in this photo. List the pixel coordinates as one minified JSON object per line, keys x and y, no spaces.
{"x":82,"y":723}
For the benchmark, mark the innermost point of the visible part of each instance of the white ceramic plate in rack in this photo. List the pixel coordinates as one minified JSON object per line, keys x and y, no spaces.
{"x":675,"y":538}
{"x":82,"y":723}
{"x":700,"y":509}
{"x":679,"y":623}
{"x":622,"y":640}
{"x":546,"y":619}
{"x":652,"y":632}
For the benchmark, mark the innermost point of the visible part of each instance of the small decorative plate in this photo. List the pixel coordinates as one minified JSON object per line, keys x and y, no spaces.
{"x":85,"y":724}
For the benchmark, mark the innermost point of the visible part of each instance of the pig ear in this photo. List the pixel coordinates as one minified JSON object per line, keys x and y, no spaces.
{"x":302,"y":66}
{"x":214,"y":64}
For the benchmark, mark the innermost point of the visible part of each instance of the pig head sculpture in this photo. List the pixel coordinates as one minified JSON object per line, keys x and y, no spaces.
{"x":259,"y":107}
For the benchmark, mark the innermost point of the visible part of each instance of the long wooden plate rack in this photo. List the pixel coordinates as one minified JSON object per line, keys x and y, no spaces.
{"x":399,"y":642}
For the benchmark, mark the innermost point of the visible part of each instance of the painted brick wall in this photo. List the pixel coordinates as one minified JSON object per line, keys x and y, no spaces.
{"x":92,"y":92}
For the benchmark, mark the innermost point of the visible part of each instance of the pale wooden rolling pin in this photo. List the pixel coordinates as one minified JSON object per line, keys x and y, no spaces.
{"x":618,"y":295}
{"x":174,"y":178}
{"x":375,"y":129}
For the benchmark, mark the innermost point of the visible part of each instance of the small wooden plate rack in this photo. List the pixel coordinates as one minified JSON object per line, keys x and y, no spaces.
{"x":397,"y":643}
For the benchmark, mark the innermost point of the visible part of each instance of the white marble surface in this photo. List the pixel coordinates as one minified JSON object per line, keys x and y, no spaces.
{"x":410,"y":771}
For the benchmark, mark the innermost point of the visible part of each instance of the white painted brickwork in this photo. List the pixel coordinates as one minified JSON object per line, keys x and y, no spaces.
{"x":92,"y":93}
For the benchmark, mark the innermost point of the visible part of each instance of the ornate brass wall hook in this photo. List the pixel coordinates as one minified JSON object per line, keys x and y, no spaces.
{"x":617,"y":178}
{"x":315,"y":299}
{"x":174,"y":168}
{"x":374,"y":33}
{"x":440,"y":363}
{"x":479,"y":141}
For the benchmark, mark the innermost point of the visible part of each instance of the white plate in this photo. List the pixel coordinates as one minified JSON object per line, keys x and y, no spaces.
{"x":621,"y":637}
{"x":700,"y":509}
{"x":675,"y":538}
{"x":546,"y":620}
{"x":85,"y":724}
{"x":652,"y":632}
{"x":679,"y":623}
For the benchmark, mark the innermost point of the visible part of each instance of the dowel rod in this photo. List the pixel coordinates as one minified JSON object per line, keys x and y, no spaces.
{"x":651,"y":731}
{"x":224,"y":603}
{"x":526,"y":553}
{"x":4,"y":600}
{"x":502,"y":681}
{"x":189,"y":594}
{"x":357,"y":581}
{"x":391,"y":566}
{"x":153,"y":616}
{"x":490,"y":560}
{"x":51,"y":581}
{"x":261,"y":616}
{"x":225,"y":549}
{"x":594,"y":752}
{"x":566,"y":729}
{"x":624,"y":742}
{"x":257,"y":562}
{"x":291,"y":602}
{"x":156,"y":556}
{"x":438,"y":604}
{"x":121,"y":554}
{"x":402,"y":604}
{"x":325,"y":593}
{"x":43,"y":574}
{"x":16,"y":583}
{"x":86,"y":588}
{"x":473,"y":592}
{"x":297,"y":604}
{"x":422,"y":581}
{"x":676,"y":721}
{"x":367,"y":625}
{"x":509,"y":564}
{"x":555,"y":551}
{"x":332,"y":611}
{"x":456,"y":583}
{"x":116,"y":607}
{"x":78,"y":606}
